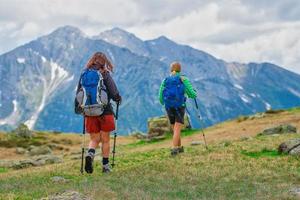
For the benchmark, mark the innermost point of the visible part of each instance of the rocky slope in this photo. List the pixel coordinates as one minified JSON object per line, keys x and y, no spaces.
{"x":38,"y":80}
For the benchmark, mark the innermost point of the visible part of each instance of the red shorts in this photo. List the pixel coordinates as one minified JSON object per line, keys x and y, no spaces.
{"x":104,"y":123}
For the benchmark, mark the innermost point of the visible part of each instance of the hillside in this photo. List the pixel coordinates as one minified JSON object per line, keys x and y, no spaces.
{"x":238,"y":165}
{"x":38,"y":79}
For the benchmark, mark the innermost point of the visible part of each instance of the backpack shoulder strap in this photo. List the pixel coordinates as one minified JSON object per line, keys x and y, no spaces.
{"x":79,"y":85}
{"x":182,"y":78}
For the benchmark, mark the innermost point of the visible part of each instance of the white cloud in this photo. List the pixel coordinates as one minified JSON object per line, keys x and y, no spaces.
{"x":234,"y":30}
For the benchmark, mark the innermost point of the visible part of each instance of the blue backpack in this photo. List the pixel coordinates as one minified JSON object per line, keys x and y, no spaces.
{"x":173,"y":93}
{"x":92,"y":97}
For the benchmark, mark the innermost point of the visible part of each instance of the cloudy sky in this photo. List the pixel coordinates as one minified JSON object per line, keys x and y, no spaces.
{"x":234,"y":30}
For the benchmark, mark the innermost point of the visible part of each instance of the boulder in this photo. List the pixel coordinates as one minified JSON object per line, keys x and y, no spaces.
{"x":158,"y":126}
{"x":6,"y":163}
{"x":39,"y":150}
{"x":20,"y":150}
{"x":23,"y":131}
{"x":291,"y":147}
{"x":36,"y":161}
{"x":138,"y":135}
{"x":281,"y":129}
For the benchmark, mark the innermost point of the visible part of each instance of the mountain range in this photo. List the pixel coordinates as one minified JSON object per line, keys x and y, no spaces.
{"x":38,"y":80}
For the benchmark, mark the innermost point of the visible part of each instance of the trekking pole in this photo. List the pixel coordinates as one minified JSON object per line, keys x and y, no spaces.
{"x":115,"y":136}
{"x":201,"y":122}
{"x":189,"y":117}
{"x":82,"y":145}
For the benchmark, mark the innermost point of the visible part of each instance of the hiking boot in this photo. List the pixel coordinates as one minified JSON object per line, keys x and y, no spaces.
{"x":181,"y":149}
{"x":106,"y":168}
{"x":174,"y":151}
{"x":89,"y":163}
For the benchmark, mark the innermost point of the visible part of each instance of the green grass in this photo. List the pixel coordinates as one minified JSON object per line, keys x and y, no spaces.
{"x":168,"y":136}
{"x":3,"y":170}
{"x":294,"y":110}
{"x":223,"y":172}
{"x":12,"y":140}
{"x":262,"y":153}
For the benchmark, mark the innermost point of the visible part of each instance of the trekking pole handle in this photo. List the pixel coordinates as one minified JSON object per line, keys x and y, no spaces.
{"x":83,"y":128}
{"x":117,"y":112}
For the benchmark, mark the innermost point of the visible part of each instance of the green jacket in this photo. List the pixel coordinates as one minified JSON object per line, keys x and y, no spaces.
{"x":190,"y":92}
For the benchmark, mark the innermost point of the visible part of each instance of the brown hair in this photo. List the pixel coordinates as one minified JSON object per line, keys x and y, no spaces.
{"x":175,"y":66}
{"x":100,"y":61}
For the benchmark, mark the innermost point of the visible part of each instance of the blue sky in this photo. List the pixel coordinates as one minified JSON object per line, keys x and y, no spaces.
{"x":233,"y":30}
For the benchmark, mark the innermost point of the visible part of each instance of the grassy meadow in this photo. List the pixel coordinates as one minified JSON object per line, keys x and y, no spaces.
{"x":237,"y":165}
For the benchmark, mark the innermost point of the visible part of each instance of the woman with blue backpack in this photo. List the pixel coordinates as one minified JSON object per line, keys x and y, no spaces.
{"x":95,"y":90}
{"x":172,"y":94}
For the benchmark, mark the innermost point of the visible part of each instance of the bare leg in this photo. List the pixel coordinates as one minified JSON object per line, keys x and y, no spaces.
{"x":105,"y":144}
{"x":176,"y":134}
{"x":179,"y":143}
{"x":95,"y":140}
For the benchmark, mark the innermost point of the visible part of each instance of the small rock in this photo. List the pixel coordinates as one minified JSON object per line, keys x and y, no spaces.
{"x":49,"y":159}
{"x":295,"y":191}
{"x":20,"y":150}
{"x":59,"y":179}
{"x":290,"y":146}
{"x":55,"y":146}
{"x":295,"y":151}
{"x":245,"y":138}
{"x":7,"y":163}
{"x":67,"y":195}
{"x":40,"y":150}
{"x":280,"y":130}
{"x":275,"y":135}
{"x":194,"y":143}
{"x":23,"y":164}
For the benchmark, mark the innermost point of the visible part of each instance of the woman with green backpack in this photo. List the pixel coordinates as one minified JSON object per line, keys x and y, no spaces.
{"x":172,"y":94}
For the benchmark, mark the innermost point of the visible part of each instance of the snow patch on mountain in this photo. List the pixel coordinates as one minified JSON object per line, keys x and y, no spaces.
{"x":238,"y":86}
{"x":21,"y":60}
{"x":267,"y":105}
{"x":58,"y":76}
{"x":43,"y":59}
{"x":111,"y":55}
{"x":13,"y":118}
{"x":162,"y":58}
{"x":294,"y":92}
{"x":245,"y":98}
